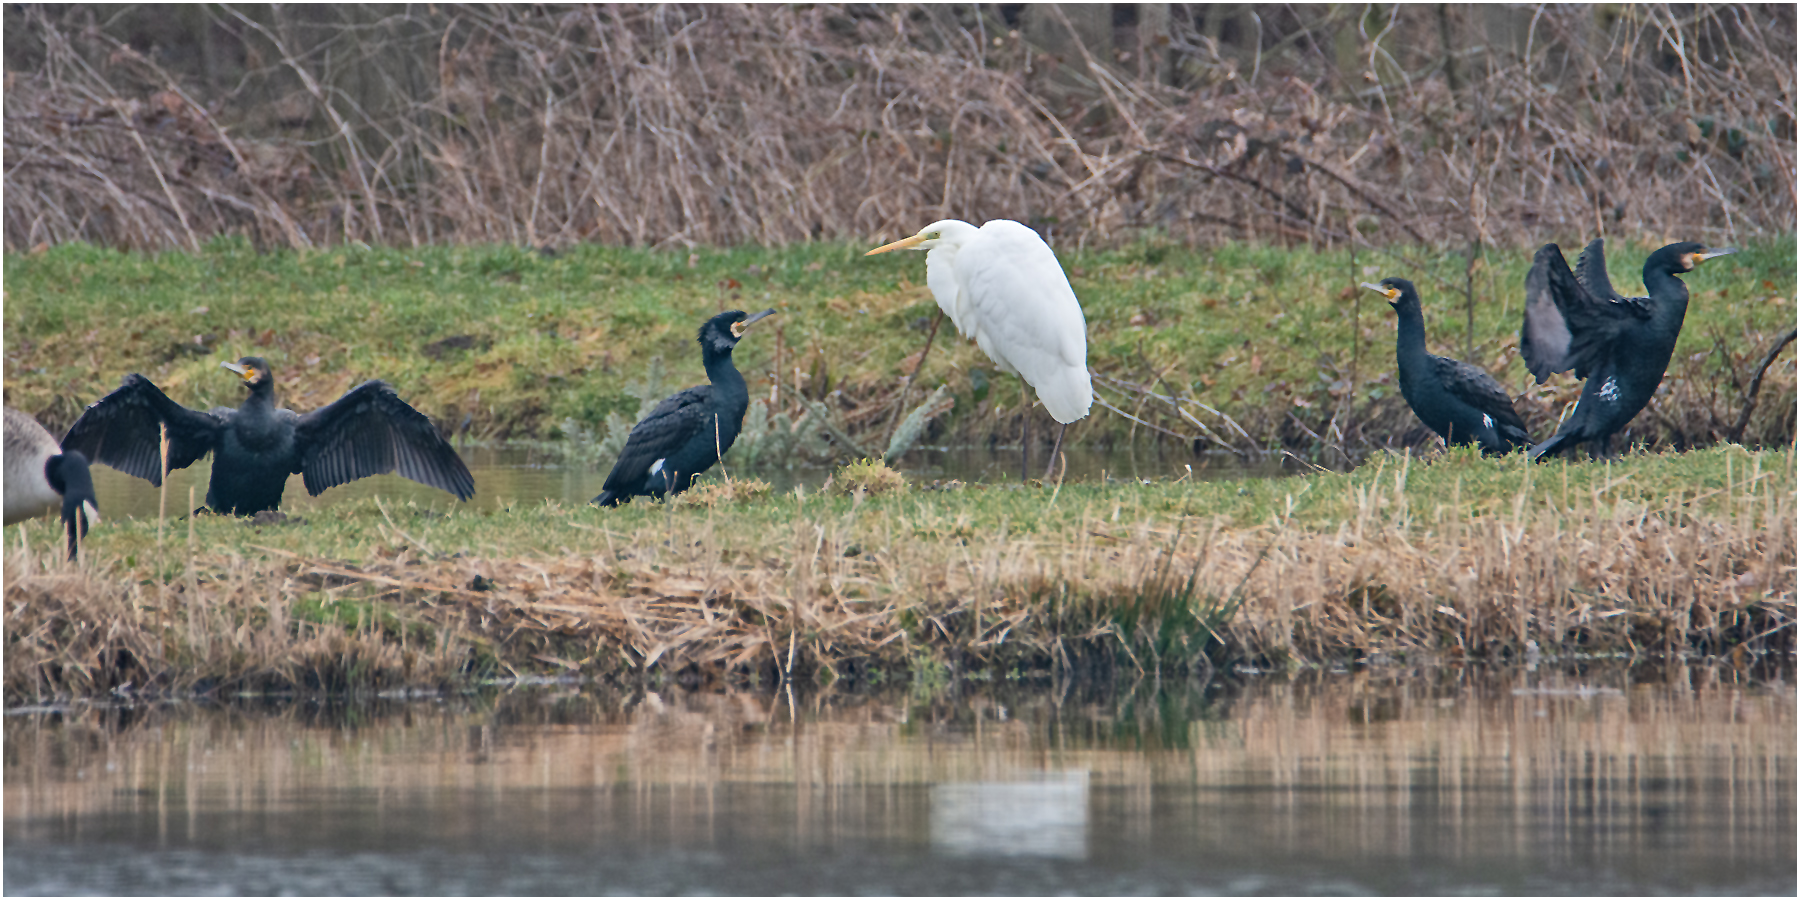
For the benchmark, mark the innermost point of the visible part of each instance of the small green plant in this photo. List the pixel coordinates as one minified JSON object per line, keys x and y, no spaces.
{"x":930,"y":675}
{"x":776,"y":438}
{"x":913,"y":426}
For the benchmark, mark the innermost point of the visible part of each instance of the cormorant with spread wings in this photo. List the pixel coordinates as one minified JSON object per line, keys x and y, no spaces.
{"x":1621,"y":345}
{"x":368,"y":431}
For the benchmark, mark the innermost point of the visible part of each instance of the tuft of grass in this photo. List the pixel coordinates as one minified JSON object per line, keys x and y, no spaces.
{"x":869,"y":476}
{"x":729,"y":492}
{"x":1444,"y":558}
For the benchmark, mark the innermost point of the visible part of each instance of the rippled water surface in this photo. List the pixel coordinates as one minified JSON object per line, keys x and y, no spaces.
{"x":1657,"y":780}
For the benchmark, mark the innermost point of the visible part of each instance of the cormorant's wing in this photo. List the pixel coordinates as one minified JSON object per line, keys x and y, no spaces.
{"x":371,"y":431}
{"x":1474,"y":386}
{"x":1590,"y":272}
{"x":120,"y":430}
{"x":670,"y":425}
{"x":1568,"y":326}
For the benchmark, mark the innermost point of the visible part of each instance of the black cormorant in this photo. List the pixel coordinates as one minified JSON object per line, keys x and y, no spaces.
{"x":41,"y":476}
{"x":1461,"y":402}
{"x":1621,"y":345}
{"x":368,"y":431}
{"x":685,"y":434}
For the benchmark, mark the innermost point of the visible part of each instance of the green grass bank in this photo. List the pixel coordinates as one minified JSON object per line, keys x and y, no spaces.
{"x":1446,"y":558}
{"x":1239,"y":348}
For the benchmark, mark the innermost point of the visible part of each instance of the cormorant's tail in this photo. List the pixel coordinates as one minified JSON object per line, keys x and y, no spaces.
{"x":1513,"y":438}
{"x":607,"y":498}
{"x":1563,"y":440}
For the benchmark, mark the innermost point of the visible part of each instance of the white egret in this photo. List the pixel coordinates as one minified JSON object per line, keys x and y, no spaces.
{"x":40,"y":477}
{"x":1002,"y":286}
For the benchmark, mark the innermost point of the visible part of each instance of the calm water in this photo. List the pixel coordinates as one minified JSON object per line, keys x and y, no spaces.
{"x":510,"y":476}
{"x":1659,"y":780}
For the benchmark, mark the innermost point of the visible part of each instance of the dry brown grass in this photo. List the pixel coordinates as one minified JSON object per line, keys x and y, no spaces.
{"x":1084,"y":579}
{"x":718,"y":125}
{"x":74,"y":631}
{"x":727,"y":492}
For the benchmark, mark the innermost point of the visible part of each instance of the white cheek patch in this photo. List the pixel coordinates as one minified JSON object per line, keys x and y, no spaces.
{"x":1610,"y":389}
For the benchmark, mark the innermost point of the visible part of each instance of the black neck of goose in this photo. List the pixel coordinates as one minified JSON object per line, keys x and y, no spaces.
{"x":1409,"y":342}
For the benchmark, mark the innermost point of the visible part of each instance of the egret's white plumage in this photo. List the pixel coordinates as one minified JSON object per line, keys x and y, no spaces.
{"x":1002,"y":286}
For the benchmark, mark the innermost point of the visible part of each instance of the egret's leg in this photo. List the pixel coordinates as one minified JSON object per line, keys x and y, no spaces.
{"x":1025,"y":438}
{"x":1054,"y":450}
{"x":1025,"y":448}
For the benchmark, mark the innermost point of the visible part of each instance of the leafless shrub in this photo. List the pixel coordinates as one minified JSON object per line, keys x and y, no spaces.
{"x":665,"y":125}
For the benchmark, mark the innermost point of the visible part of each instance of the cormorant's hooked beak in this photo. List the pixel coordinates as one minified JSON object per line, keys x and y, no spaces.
{"x":244,"y":372}
{"x":1391,"y":294}
{"x":738,"y":328}
{"x":902,"y":244}
{"x":1690,"y":260}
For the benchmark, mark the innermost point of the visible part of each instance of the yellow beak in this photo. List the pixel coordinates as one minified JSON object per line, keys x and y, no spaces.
{"x":243,"y":372}
{"x":902,"y":244}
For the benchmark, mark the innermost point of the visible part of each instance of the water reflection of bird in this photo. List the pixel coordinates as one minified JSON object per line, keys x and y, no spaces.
{"x":42,"y":476}
{"x":1041,"y":814}
{"x":1002,"y":286}
{"x":1460,"y":402}
{"x":685,"y":434}
{"x":368,"y":431}
{"x":1621,"y":345}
